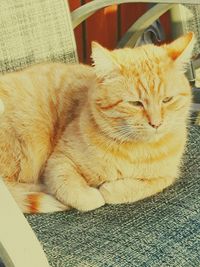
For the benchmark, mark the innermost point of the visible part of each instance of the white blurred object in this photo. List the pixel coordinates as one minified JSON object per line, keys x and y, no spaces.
{"x":19,"y":246}
{"x":197,"y":80}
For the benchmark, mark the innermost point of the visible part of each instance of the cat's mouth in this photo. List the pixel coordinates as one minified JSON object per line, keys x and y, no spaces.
{"x":145,"y":133}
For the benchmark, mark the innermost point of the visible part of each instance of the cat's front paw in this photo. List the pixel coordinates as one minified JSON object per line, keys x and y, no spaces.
{"x":107,"y":190}
{"x":88,"y":199}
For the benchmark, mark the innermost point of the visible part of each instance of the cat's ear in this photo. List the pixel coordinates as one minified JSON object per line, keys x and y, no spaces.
{"x":103,"y":62}
{"x":180,"y":50}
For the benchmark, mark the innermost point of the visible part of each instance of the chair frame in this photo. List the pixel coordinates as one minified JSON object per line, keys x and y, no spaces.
{"x":19,"y":247}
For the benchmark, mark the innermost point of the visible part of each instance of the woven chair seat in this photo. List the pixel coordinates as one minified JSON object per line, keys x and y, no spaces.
{"x":161,"y":231}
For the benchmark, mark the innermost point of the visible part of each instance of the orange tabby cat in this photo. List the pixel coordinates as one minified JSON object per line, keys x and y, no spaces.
{"x":86,"y":136}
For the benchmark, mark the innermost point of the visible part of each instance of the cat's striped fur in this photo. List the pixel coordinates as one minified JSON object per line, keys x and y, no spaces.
{"x":79,"y":136}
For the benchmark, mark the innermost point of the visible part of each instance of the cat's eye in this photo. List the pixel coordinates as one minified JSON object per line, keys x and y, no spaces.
{"x":136,"y":103}
{"x":167,"y":99}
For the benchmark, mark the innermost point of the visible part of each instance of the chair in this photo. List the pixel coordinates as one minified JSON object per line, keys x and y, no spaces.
{"x":160,"y":231}
{"x":186,"y":18}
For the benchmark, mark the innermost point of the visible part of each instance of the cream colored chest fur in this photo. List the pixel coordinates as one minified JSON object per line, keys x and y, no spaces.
{"x":99,"y":164}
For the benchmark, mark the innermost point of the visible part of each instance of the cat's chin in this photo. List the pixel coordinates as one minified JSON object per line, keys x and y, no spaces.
{"x":146,"y":138}
{"x":149,"y":137}
{"x":156,"y":135}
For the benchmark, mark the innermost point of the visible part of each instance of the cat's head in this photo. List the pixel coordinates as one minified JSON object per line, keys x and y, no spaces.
{"x":142,"y":92}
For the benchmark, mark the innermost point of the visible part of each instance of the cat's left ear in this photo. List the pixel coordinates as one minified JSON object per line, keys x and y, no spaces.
{"x":180,"y":50}
{"x":103,"y":62}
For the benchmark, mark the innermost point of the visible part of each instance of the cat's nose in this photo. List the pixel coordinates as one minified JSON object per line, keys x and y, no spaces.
{"x":155,"y":125}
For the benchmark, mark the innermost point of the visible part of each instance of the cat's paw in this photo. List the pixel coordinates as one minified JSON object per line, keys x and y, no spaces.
{"x":107,"y":190}
{"x":88,"y":199}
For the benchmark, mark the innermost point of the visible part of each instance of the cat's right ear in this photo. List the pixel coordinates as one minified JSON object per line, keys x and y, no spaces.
{"x":103,"y":62}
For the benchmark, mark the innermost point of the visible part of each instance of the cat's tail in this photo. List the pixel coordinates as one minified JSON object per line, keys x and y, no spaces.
{"x":31,"y":198}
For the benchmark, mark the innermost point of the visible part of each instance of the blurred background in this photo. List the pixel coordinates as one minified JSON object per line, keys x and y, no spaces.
{"x":108,"y":25}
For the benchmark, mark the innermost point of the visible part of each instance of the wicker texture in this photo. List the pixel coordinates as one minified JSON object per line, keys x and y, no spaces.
{"x":161,"y":231}
{"x":35,"y":31}
{"x":193,"y":24}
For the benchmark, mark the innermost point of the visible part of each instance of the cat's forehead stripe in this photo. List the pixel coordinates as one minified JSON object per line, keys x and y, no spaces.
{"x":141,"y":87}
{"x":149,"y":85}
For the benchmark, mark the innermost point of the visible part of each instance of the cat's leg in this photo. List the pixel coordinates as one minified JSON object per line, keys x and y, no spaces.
{"x":33,"y":155}
{"x":66,"y":182}
{"x":131,"y":190}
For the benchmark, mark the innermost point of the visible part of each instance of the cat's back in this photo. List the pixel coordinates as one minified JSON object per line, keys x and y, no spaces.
{"x":44,"y":85}
{"x":45,"y":78}
{"x":44,"y":95}
{"x":39,"y":102}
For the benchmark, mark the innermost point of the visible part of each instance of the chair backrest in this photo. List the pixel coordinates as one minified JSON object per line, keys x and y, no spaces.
{"x":186,"y":18}
{"x":35,"y":31}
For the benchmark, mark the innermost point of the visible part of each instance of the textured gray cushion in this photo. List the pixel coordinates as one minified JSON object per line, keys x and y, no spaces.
{"x":161,"y":231}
